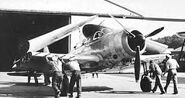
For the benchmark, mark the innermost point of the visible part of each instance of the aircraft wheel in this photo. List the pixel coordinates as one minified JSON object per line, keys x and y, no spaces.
{"x":146,"y":83}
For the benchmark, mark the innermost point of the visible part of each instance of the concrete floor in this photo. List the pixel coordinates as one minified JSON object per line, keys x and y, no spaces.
{"x":106,"y":86}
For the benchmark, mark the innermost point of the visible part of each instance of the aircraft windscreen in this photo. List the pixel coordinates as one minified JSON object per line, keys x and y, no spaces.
{"x":106,"y":30}
{"x":99,"y":34}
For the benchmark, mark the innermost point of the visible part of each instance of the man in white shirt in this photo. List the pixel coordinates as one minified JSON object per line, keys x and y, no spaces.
{"x":171,"y":68}
{"x":75,"y":78}
{"x":57,"y":76}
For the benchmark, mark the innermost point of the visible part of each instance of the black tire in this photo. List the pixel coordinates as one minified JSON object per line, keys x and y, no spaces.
{"x":145,"y":84}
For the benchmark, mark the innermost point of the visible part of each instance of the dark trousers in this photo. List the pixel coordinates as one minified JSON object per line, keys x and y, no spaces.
{"x":171,"y":76}
{"x":31,"y":73}
{"x":65,"y":86}
{"x":75,"y":78}
{"x":47,"y":79}
{"x":158,"y":83}
{"x":57,"y":80}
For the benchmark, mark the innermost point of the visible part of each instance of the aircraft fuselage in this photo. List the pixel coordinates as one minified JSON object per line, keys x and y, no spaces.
{"x":112,"y":46}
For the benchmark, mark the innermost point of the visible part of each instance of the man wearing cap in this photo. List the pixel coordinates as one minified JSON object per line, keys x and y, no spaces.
{"x":171,"y":66}
{"x":57,"y":76}
{"x":156,"y":70}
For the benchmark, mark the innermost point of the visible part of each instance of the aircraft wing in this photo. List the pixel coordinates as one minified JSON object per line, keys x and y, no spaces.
{"x":155,"y":51}
{"x":155,"y":57}
{"x":153,"y":47}
{"x":58,"y":34}
{"x":82,"y":58}
{"x":43,"y":54}
{"x":38,"y":61}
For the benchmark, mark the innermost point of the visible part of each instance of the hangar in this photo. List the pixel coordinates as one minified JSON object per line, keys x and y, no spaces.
{"x":25,"y":26}
{"x":24,"y":20}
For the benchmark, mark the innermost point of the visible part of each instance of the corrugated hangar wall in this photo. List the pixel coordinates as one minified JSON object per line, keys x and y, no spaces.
{"x":21,"y":26}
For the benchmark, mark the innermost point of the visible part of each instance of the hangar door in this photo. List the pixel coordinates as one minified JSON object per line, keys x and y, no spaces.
{"x":21,"y":25}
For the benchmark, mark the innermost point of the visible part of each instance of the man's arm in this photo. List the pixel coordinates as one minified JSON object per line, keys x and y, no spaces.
{"x":166,"y":68}
{"x":177,"y":64}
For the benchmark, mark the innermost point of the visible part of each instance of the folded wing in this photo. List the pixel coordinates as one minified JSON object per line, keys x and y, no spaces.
{"x":58,"y":34}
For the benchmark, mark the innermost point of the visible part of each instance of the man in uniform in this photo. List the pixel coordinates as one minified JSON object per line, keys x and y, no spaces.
{"x":171,"y":66}
{"x":156,"y":70}
{"x":57,"y":76}
{"x":75,"y":78}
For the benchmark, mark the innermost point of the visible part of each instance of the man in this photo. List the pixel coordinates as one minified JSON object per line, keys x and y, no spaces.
{"x":57,"y":76}
{"x":156,"y":70}
{"x":171,"y":66}
{"x":47,"y":72}
{"x":75,"y":78}
{"x":65,"y":83}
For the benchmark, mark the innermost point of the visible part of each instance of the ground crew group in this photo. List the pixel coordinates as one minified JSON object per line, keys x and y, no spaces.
{"x":60,"y":82}
{"x":171,"y":66}
{"x":62,"y":87}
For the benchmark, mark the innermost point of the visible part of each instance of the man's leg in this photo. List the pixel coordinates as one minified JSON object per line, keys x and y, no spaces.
{"x":29,"y":77}
{"x":55,"y":86}
{"x":92,"y":75}
{"x":160,"y":84}
{"x":79,"y":87}
{"x":71,"y":84}
{"x":97,"y":75}
{"x":175,"y":83}
{"x":155,"y":86}
{"x":167,"y":81}
{"x":78,"y":83}
{"x":46,"y":79}
{"x":60,"y":82}
{"x":65,"y":86}
{"x":35,"y":78}
{"x":60,"y":86}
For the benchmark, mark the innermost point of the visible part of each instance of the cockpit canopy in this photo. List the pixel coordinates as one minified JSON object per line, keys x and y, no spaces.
{"x":95,"y":31}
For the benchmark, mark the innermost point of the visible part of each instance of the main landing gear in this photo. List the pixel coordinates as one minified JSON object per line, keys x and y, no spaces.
{"x":146,"y":82}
